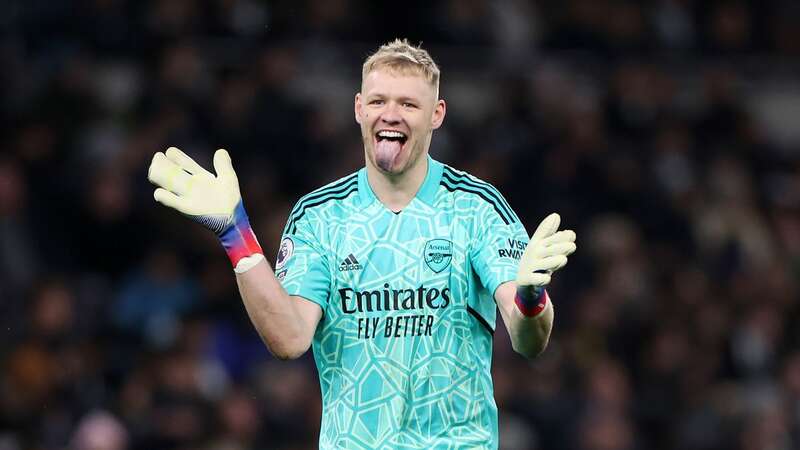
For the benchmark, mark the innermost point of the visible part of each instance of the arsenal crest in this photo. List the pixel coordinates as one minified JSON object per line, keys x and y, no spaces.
{"x":438,"y":254}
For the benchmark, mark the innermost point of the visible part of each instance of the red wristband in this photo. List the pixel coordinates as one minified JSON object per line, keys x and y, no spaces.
{"x":531,"y":309}
{"x":238,"y":238}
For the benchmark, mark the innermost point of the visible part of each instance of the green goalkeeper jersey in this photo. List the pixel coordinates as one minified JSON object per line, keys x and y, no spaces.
{"x":404,"y":346}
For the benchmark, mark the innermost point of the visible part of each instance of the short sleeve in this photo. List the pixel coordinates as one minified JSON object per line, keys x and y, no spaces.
{"x":500,"y":240}
{"x":301,"y":265}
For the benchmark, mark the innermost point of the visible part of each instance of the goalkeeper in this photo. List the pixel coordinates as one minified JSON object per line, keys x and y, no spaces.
{"x":393,"y":275}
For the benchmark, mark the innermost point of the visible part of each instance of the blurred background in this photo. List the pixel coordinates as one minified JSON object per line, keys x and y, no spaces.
{"x":665,"y":132}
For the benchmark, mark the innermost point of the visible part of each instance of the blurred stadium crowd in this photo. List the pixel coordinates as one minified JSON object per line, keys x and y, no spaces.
{"x":665,"y":132}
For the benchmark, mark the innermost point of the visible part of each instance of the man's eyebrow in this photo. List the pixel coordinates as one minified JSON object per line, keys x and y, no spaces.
{"x":403,"y":98}
{"x":407,"y":98}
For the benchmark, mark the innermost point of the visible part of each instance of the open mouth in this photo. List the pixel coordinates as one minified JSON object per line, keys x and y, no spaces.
{"x":391,"y":136}
{"x":389,"y":145}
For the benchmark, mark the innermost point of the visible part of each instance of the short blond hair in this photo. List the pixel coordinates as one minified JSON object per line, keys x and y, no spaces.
{"x":399,"y":56}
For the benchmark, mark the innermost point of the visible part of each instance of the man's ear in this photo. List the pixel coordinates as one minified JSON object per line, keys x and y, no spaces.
{"x":439,"y":112}
{"x":357,"y":107}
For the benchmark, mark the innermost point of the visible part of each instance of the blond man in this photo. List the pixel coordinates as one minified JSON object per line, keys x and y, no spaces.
{"x":392,"y":275}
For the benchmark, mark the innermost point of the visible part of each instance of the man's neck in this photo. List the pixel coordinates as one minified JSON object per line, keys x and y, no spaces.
{"x":396,"y":192}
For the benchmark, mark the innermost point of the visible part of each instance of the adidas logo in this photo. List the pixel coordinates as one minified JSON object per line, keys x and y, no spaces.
{"x":350,"y":263}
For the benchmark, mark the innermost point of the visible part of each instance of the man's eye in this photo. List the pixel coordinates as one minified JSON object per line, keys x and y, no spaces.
{"x":409,"y":105}
{"x":376,"y":102}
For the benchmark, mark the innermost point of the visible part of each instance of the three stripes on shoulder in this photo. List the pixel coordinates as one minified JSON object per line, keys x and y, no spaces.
{"x":452,"y":180}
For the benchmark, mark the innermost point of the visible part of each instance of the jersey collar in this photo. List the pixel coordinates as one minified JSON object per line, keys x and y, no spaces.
{"x":426,"y":193}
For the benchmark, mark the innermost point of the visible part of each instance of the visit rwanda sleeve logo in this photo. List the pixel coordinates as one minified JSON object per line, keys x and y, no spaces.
{"x":438,"y":254}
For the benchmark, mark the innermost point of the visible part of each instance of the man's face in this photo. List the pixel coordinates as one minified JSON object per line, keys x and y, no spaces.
{"x":397,"y":114}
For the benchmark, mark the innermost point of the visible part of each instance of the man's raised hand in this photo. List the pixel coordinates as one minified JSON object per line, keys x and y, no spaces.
{"x":213,"y":201}
{"x":546,"y":252}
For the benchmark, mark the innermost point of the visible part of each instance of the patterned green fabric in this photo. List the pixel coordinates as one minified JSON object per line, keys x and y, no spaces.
{"x":404,"y":346}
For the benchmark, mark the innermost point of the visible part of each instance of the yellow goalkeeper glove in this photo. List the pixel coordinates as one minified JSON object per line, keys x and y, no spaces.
{"x":546,"y":252}
{"x":213,"y":201}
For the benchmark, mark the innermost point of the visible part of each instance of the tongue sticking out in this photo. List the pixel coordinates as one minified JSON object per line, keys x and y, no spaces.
{"x":386,"y":152}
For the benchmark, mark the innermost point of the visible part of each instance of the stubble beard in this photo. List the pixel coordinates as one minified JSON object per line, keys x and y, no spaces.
{"x":416,"y":149}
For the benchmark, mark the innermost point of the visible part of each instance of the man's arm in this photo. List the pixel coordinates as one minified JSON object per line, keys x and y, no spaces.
{"x":285,"y":323}
{"x":529,"y":335}
{"x":524,"y":304}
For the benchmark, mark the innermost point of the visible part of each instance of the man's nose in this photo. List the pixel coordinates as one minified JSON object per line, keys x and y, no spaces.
{"x":391,"y":114}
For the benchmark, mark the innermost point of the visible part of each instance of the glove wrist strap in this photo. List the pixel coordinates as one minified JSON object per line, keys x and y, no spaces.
{"x":531,"y":301}
{"x":238,"y":238}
